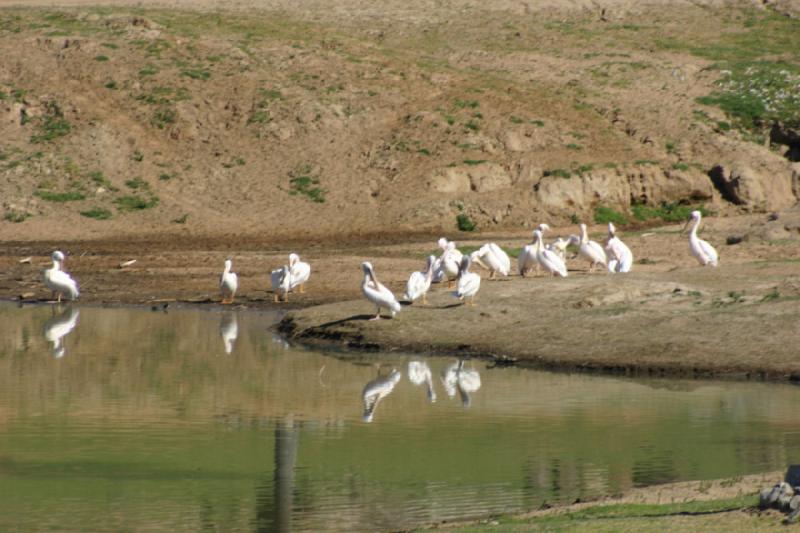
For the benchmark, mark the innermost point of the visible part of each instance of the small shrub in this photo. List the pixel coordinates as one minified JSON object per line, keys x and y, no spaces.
{"x":516,"y":120}
{"x":101,"y":58}
{"x":149,"y":70}
{"x":472,"y":125}
{"x":163,"y":117}
{"x":135,"y":203}
{"x":604,"y":215}
{"x":137,"y":183}
{"x":196,"y":74}
{"x":97,"y":213}
{"x":670,"y":147}
{"x":537,"y":123}
{"x":474,"y":162}
{"x":69,"y":196}
{"x":643,"y":162}
{"x":110,"y":85}
{"x":424,"y":151}
{"x":16,"y":216}
{"x":573,"y":146}
{"x":680,"y":166}
{"x":558,"y":173}
{"x":164,"y":176}
{"x":137,"y":156}
{"x":465,"y":223}
{"x":306,"y":184}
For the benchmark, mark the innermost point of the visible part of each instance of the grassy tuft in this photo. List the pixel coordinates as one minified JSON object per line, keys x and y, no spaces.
{"x":667,"y":211}
{"x":604,"y":215}
{"x":135,"y":203}
{"x":69,"y":196}
{"x":464,"y":223}
{"x":97,"y":213}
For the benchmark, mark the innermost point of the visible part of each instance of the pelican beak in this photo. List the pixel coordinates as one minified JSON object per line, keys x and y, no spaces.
{"x":688,"y":220}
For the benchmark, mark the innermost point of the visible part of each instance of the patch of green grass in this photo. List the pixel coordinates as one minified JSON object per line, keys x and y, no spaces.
{"x":101,"y":58}
{"x":16,"y":216}
{"x":163,"y":95}
{"x":516,"y":120}
{"x":644,"y":162}
{"x":680,"y":166}
{"x":137,"y":156}
{"x":538,"y":123}
{"x":149,"y":70}
{"x":164,"y":176}
{"x":260,"y":116}
{"x":196,"y":74}
{"x":472,"y":125}
{"x":583,"y":169}
{"x":137,"y":183}
{"x":181,"y":219}
{"x":474,"y":162}
{"x":111,"y":84}
{"x":771,"y":296}
{"x":69,"y":196}
{"x":135,"y":203}
{"x":573,"y":146}
{"x":604,"y":215}
{"x":424,"y":151}
{"x":465,"y":223}
{"x":302,"y":182}
{"x":97,"y":177}
{"x":52,"y":125}
{"x":558,"y":173}
{"x":462,"y":104}
{"x":667,"y":211}
{"x":112,"y":46}
{"x":163,"y":117}
{"x":97,"y":213}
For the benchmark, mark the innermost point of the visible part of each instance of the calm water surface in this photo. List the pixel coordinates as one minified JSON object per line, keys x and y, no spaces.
{"x":134,"y":420}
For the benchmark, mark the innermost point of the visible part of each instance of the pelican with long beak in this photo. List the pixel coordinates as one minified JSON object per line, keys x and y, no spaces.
{"x":228,"y":283}
{"x":701,"y":250}
{"x":377,"y":293}
{"x":59,"y":281}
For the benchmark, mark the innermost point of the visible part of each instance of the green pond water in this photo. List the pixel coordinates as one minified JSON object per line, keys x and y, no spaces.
{"x":137,"y":420}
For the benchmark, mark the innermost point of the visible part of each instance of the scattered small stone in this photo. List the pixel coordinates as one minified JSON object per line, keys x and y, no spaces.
{"x":773,"y":216}
{"x":26,"y":261}
{"x":736,"y":238}
{"x":794,"y":504}
{"x":126,"y":263}
{"x":26,"y":295}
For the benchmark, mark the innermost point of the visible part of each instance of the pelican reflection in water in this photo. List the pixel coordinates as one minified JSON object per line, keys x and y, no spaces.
{"x":58,"y":327}
{"x":464,"y":380}
{"x":229,"y":330}
{"x":376,"y":390}
{"x":418,"y":373}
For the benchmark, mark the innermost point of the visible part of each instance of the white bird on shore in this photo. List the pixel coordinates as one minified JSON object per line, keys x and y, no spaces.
{"x":300,"y":271}
{"x":419,"y":283}
{"x":590,"y":250}
{"x":228,"y":283}
{"x":559,"y":246}
{"x":281,"y":281}
{"x":450,"y":251}
{"x":418,"y":373}
{"x":493,"y":258}
{"x":701,"y":250}
{"x":59,"y":327}
{"x":548,"y":259}
{"x":620,"y":257}
{"x":376,"y":390}
{"x":468,"y":283}
{"x":526,"y":260}
{"x":59,"y":281}
{"x":376,"y":293}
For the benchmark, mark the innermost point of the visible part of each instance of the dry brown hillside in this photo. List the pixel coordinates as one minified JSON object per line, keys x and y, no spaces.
{"x":347,"y":117}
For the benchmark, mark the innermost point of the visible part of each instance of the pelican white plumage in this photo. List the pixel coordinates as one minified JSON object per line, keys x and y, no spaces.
{"x":701,"y":250}
{"x":620,"y":257}
{"x":281,"y":281}
{"x":59,"y":327}
{"x":419,"y":283}
{"x":468,"y":283}
{"x":559,"y":246}
{"x":449,"y":263}
{"x":418,"y":373}
{"x":376,"y":293}
{"x":493,"y":258}
{"x":59,"y":281}
{"x":376,"y":390}
{"x":526,"y":260}
{"x":300,"y":270}
{"x":590,"y":250}
{"x":228,"y":283}
{"x":548,"y":259}
{"x":229,"y":330}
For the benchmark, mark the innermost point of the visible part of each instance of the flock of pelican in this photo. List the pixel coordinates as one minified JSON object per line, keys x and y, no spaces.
{"x":451,"y":266}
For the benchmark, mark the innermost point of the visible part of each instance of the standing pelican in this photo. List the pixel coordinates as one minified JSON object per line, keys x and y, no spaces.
{"x":591,"y":251}
{"x":559,"y":246}
{"x":59,"y":327}
{"x":228,"y":283}
{"x":281,"y":281}
{"x":59,"y":281}
{"x":419,"y":283}
{"x":376,"y":390}
{"x":701,"y":250}
{"x":493,"y":258}
{"x":448,"y":264}
{"x":229,"y":330}
{"x":376,"y":293}
{"x":526,"y":260}
{"x":301,"y":271}
{"x":418,"y":373}
{"x":620,"y":257}
{"x":468,"y":283}
{"x":549,"y":260}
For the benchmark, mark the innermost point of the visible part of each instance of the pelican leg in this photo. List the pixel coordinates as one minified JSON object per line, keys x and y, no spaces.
{"x":491,"y":274}
{"x":377,"y":316}
{"x":274,"y":297}
{"x":425,"y":299}
{"x":59,"y":298}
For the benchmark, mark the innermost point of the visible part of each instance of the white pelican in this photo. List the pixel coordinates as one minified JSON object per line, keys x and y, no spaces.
{"x":449,"y":263}
{"x":300,"y":272}
{"x":376,"y":390}
{"x":591,"y":251}
{"x":526,"y":260}
{"x":468,"y":283}
{"x":59,"y":281}
{"x":493,"y":258}
{"x":549,"y":260}
{"x":281,"y":281}
{"x":419,"y":283}
{"x":701,"y":250}
{"x":418,"y":373}
{"x":228,"y":283}
{"x":59,"y":327}
{"x":464,"y":380}
{"x":559,"y":246}
{"x":229,"y":330}
{"x":376,"y":293}
{"x":620,"y":257}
